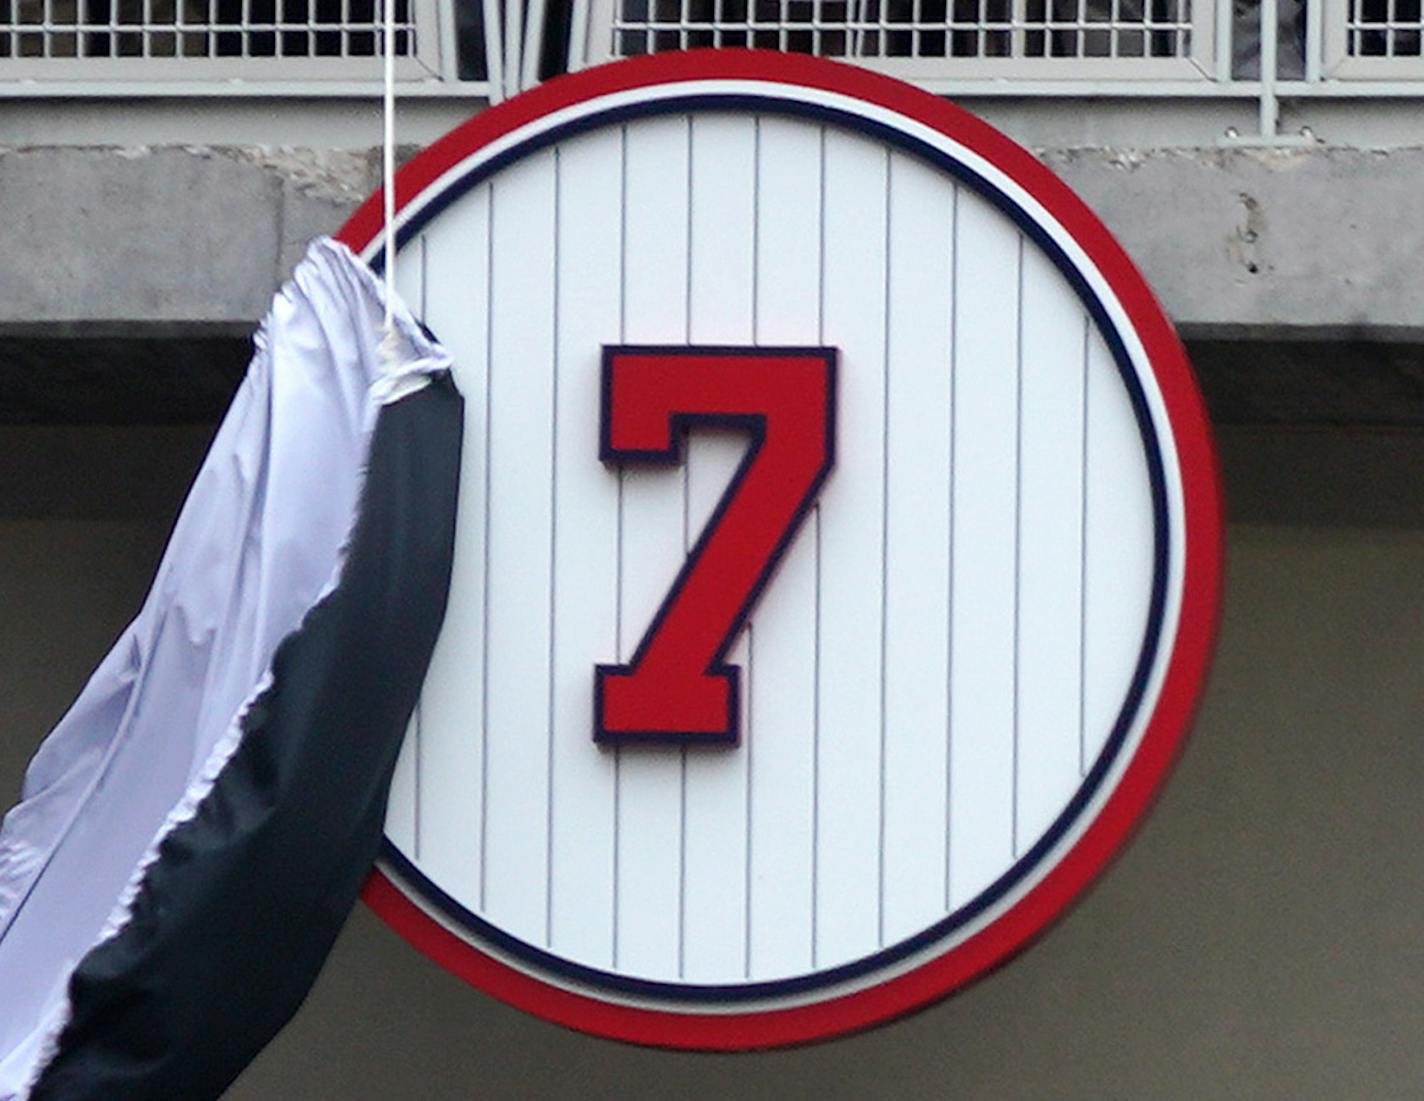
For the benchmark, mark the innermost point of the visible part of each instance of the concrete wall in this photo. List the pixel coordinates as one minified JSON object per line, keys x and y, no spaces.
{"x":1259,"y":939}
{"x":1297,"y":274}
{"x":1302,"y":242}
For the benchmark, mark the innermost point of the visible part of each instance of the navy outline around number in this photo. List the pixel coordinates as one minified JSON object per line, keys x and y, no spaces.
{"x":680,"y":425}
{"x":546,"y":963}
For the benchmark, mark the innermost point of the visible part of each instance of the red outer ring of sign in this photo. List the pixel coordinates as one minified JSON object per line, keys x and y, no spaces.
{"x":1187,"y":666}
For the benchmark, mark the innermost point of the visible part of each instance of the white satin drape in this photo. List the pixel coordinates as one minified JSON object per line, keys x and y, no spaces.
{"x":259,"y":540}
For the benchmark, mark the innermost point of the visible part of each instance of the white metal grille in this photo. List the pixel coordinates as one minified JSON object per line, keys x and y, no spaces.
{"x":1373,"y":39}
{"x":926,"y":38}
{"x":1385,"y":28}
{"x":911,"y":28}
{"x":198,"y":28}
{"x":183,"y":42}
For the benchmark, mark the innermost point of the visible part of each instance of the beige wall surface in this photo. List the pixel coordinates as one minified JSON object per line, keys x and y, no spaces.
{"x":1261,"y":938}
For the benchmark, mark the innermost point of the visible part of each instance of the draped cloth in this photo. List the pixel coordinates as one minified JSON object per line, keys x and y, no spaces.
{"x":193,"y":833}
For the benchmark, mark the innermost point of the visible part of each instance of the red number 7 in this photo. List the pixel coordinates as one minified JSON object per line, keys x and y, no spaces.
{"x":678,"y":686}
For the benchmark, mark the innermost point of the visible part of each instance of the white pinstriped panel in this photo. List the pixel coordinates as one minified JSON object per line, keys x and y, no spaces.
{"x":915,"y":716}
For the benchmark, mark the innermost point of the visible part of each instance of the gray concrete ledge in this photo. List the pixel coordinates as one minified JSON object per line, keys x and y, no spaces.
{"x":1298,"y":243}
{"x":1286,"y":244}
{"x":195,"y":236}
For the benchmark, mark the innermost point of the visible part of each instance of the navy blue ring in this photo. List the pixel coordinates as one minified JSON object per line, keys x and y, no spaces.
{"x":665,"y":992}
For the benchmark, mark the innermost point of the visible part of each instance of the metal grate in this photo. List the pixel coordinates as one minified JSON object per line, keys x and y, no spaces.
{"x":1385,"y":28}
{"x":911,"y":29}
{"x":69,"y":29}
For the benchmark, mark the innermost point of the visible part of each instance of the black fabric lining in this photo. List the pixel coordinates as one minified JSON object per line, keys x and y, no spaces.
{"x":234,"y":920}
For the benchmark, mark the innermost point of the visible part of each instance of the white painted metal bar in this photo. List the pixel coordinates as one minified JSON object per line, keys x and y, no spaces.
{"x":494,"y":49}
{"x":426,"y":40}
{"x":579,"y":24}
{"x":513,"y":44}
{"x":533,"y":48}
{"x":1314,"y":41}
{"x":125,"y":82}
{"x":1225,"y":32}
{"x":1270,"y":63}
{"x":1360,"y":86}
{"x":119,"y":79}
{"x":449,"y":46}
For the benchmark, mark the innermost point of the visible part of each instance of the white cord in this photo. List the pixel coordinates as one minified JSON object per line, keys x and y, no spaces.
{"x":388,"y":183}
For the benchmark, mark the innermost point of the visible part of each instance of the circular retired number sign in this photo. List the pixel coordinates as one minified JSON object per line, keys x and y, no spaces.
{"x":837,"y":553}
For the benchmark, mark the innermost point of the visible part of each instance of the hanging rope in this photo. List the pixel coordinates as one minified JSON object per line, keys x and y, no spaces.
{"x":388,"y":168}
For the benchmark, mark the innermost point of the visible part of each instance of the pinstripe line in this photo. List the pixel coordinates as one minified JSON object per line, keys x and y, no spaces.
{"x":949,"y":556}
{"x":553,"y":573}
{"x":687,"y":285}
{"x":749,"y":719}
{"x":886,"y":310}
{"x":1018,"y":541}
{"x":1083,"y":563}
{"x":419,"y":734}
{"x":484,"y":611}
{"x":618,"y":614}
{"x":816,"y":704}
{"x":747,"y":952}
{"x":686,"y":546}
{"x":756,"y":227}
{"x":816,"y":744}
{"x":750,"y":742}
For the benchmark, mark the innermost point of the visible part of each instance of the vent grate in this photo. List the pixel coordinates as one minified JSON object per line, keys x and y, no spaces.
{"x":70,"y":29}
